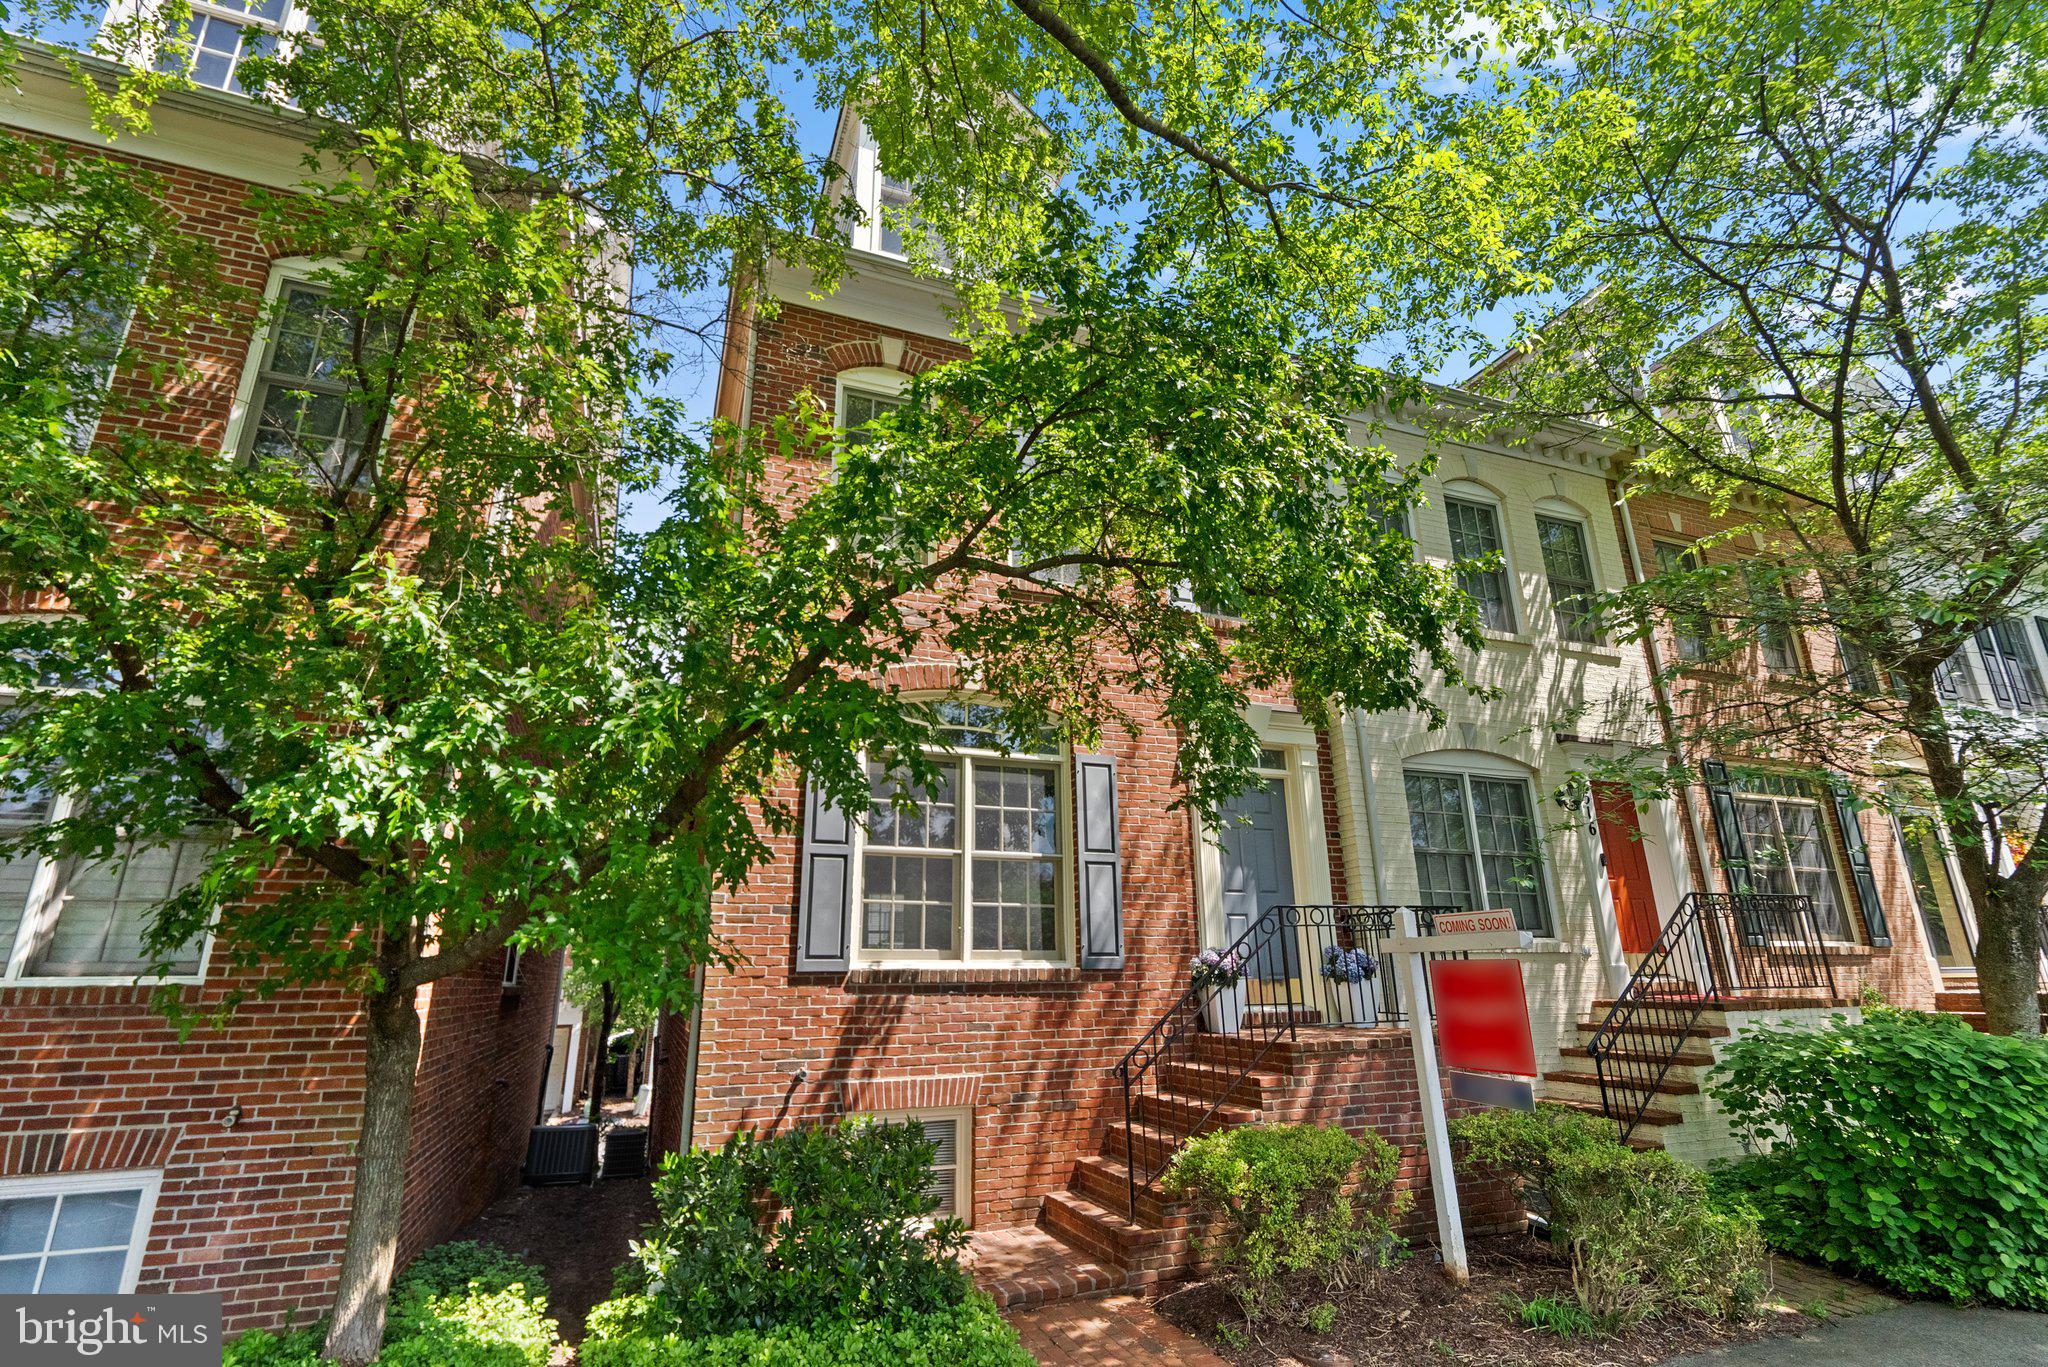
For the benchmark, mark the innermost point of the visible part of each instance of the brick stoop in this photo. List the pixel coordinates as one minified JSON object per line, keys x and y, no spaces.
{"x":1358,"y":1078}
{"x":1960,"y":997}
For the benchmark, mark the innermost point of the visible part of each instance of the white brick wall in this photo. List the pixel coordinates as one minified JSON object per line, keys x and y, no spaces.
{"x":1546,"y":687}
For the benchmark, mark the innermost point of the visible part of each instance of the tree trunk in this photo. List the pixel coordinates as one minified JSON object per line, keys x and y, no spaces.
{"x":370,"y":1258}
{"x":2007,"y":906}
{"x":606,"y":1016}
{"x":2008,"y":957}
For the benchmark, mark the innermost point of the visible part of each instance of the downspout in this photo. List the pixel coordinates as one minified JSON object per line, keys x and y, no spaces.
{"x":690,"y":1062}
{"x":1665,"y":715}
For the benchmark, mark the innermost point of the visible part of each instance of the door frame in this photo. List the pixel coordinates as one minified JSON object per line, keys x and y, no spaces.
{"x":1280,"y":729}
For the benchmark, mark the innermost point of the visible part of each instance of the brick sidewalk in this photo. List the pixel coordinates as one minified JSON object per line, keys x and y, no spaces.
{"x":1117,"y":1331}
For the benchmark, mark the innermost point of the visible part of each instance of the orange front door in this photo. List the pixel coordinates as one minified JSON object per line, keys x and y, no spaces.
{"x":1628,"y":873}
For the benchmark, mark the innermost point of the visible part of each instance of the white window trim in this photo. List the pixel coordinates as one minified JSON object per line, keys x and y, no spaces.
{"x":1472,"y":764}
{"x":963,"y":1150}
{"x":1307,"y":836}
{"x":288,"y":270}
{"x":1471,"y":491}
{"x":1557,"y":510}
{"x":148,"y":1181}
{"x":515,"y":960}
{"x":1825,"y":821}
{"x":291,"y":30}
{"x":879,"y":380}
{"x":1065,"y":932}
{"x":38,"y":912}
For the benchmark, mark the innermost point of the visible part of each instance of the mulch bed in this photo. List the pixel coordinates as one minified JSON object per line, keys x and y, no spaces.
{"x":577,"y":1234}
{"x":1409,"y":1314}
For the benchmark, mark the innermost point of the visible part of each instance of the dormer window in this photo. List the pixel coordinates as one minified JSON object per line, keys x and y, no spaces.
{"x":894,"y":213}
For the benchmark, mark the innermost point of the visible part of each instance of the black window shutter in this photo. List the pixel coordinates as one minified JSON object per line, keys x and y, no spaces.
{"x":1846,"y":807}
{"x":1727,"y":830}
{"x":825,"y":900}
{"x":1994,"y":666}
{"x":1101,"y":859}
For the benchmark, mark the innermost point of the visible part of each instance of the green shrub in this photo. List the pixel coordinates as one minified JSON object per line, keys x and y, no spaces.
{"x":1288,"y":1199}
{"x":1908,"y":1148}
{"x":457,"y":1305}
{"x":1555,"y":1315}
{"x":1642,"y":1233}
{"x":970,"y":1334}
{"x":813,"y":1225}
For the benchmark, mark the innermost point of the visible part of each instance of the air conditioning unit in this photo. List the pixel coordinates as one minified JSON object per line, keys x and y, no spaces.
{"x":559,"y":1154}
{"x":625,"y":1152}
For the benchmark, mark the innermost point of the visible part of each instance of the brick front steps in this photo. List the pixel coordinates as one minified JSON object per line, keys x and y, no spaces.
{"x":1960,"y":997}
{"x":1359,"y":1078}
{"x":1025,"y":1267}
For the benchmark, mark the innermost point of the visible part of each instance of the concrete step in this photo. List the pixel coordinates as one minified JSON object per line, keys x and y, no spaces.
{"x":1668,"y":1086}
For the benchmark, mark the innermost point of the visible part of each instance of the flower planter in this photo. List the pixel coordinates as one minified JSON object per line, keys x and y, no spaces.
{"x":1356,"y":1004}
{"x":1223,"y":1009}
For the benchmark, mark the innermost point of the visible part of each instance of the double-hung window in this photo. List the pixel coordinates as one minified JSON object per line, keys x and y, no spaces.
{"x":306,"y":407}
{"x":71,"y":918}
{"x":1475,"y":535}
{"x":74,"y":1234}
{"x":859,"y":407}
{"x":225,"y":35}
{"x":1475,"y":841}
{"x":1568,"y":565}
{"x":1789,"y":847}
{"x":1954,"y":681}
{"x":971,"y":864}
{"x":1688,"y":627}
{"x":74,"y":337}
{"x":2009,"y":661}
{"x":1769,"y":611}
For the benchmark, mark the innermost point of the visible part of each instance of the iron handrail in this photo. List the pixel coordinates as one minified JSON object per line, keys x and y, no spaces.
{"x":1714,"y":946}
{"x":1279,"y":937}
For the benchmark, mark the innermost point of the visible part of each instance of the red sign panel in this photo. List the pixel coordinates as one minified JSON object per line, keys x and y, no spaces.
{"x":1482,"y":1016}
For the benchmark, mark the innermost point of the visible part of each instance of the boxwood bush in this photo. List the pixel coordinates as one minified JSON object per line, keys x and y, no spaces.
{"x":814,"y":1224}
{"x":627,"y":1333}
{"x":1289,"y":1200}
{"x":1908,"y":1148}
{"x":1644,"y":1236}
{"x":457,"y":1305}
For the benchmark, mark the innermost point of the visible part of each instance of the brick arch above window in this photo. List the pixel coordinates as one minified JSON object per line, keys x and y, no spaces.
{"x":874,"y":353}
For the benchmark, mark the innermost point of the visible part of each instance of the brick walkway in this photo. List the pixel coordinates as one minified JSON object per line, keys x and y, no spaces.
{"x":1118,"y":1331}
{"x":1024,"y":1267}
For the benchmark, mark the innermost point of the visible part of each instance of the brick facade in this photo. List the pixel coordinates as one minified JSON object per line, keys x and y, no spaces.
{"x":1905,"y":972}
{"x":252,"y":1123}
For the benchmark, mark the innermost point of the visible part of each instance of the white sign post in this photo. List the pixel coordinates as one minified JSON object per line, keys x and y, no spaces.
{"x":1480,"y":931}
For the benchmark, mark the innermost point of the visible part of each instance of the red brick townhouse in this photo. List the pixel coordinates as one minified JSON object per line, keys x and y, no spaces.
{"x":985,"y":966}
{"x":130,"y":1158}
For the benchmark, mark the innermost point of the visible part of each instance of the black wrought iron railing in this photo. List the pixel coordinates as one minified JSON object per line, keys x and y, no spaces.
{"x":1714,"y":948}
{"x":1301,"y":965}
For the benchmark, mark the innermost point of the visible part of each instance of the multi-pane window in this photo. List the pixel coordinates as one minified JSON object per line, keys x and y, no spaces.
{"x":1688,"y":629}
{"x":225,"y":34}
{"x":969,"y":864}
{"x":75,"y":337}
{"x":77,"y":918}
{"x":859,"y":407}
{"x":1476,"y":845}
{"x":306,"y":404}
{"x":1768,"y":611}
{"x":1568,"y":565}
{"x":1475,"y":535}
{"x":894,"y":215}
{"x":1913,"y":840}
{"x":1787,"y":839}
{"x":71,"y":1235}
{"x":1954,"y":681}
{"x":2009,"y":661}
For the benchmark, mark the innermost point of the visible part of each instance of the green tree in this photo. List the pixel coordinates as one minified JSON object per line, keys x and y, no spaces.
{"x":411,"y":655}
{"x":1811,"y":287}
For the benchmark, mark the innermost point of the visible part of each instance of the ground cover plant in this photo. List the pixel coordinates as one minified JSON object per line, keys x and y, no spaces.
{"x":457,"y":1305}
{"x":1905,"y":1147}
